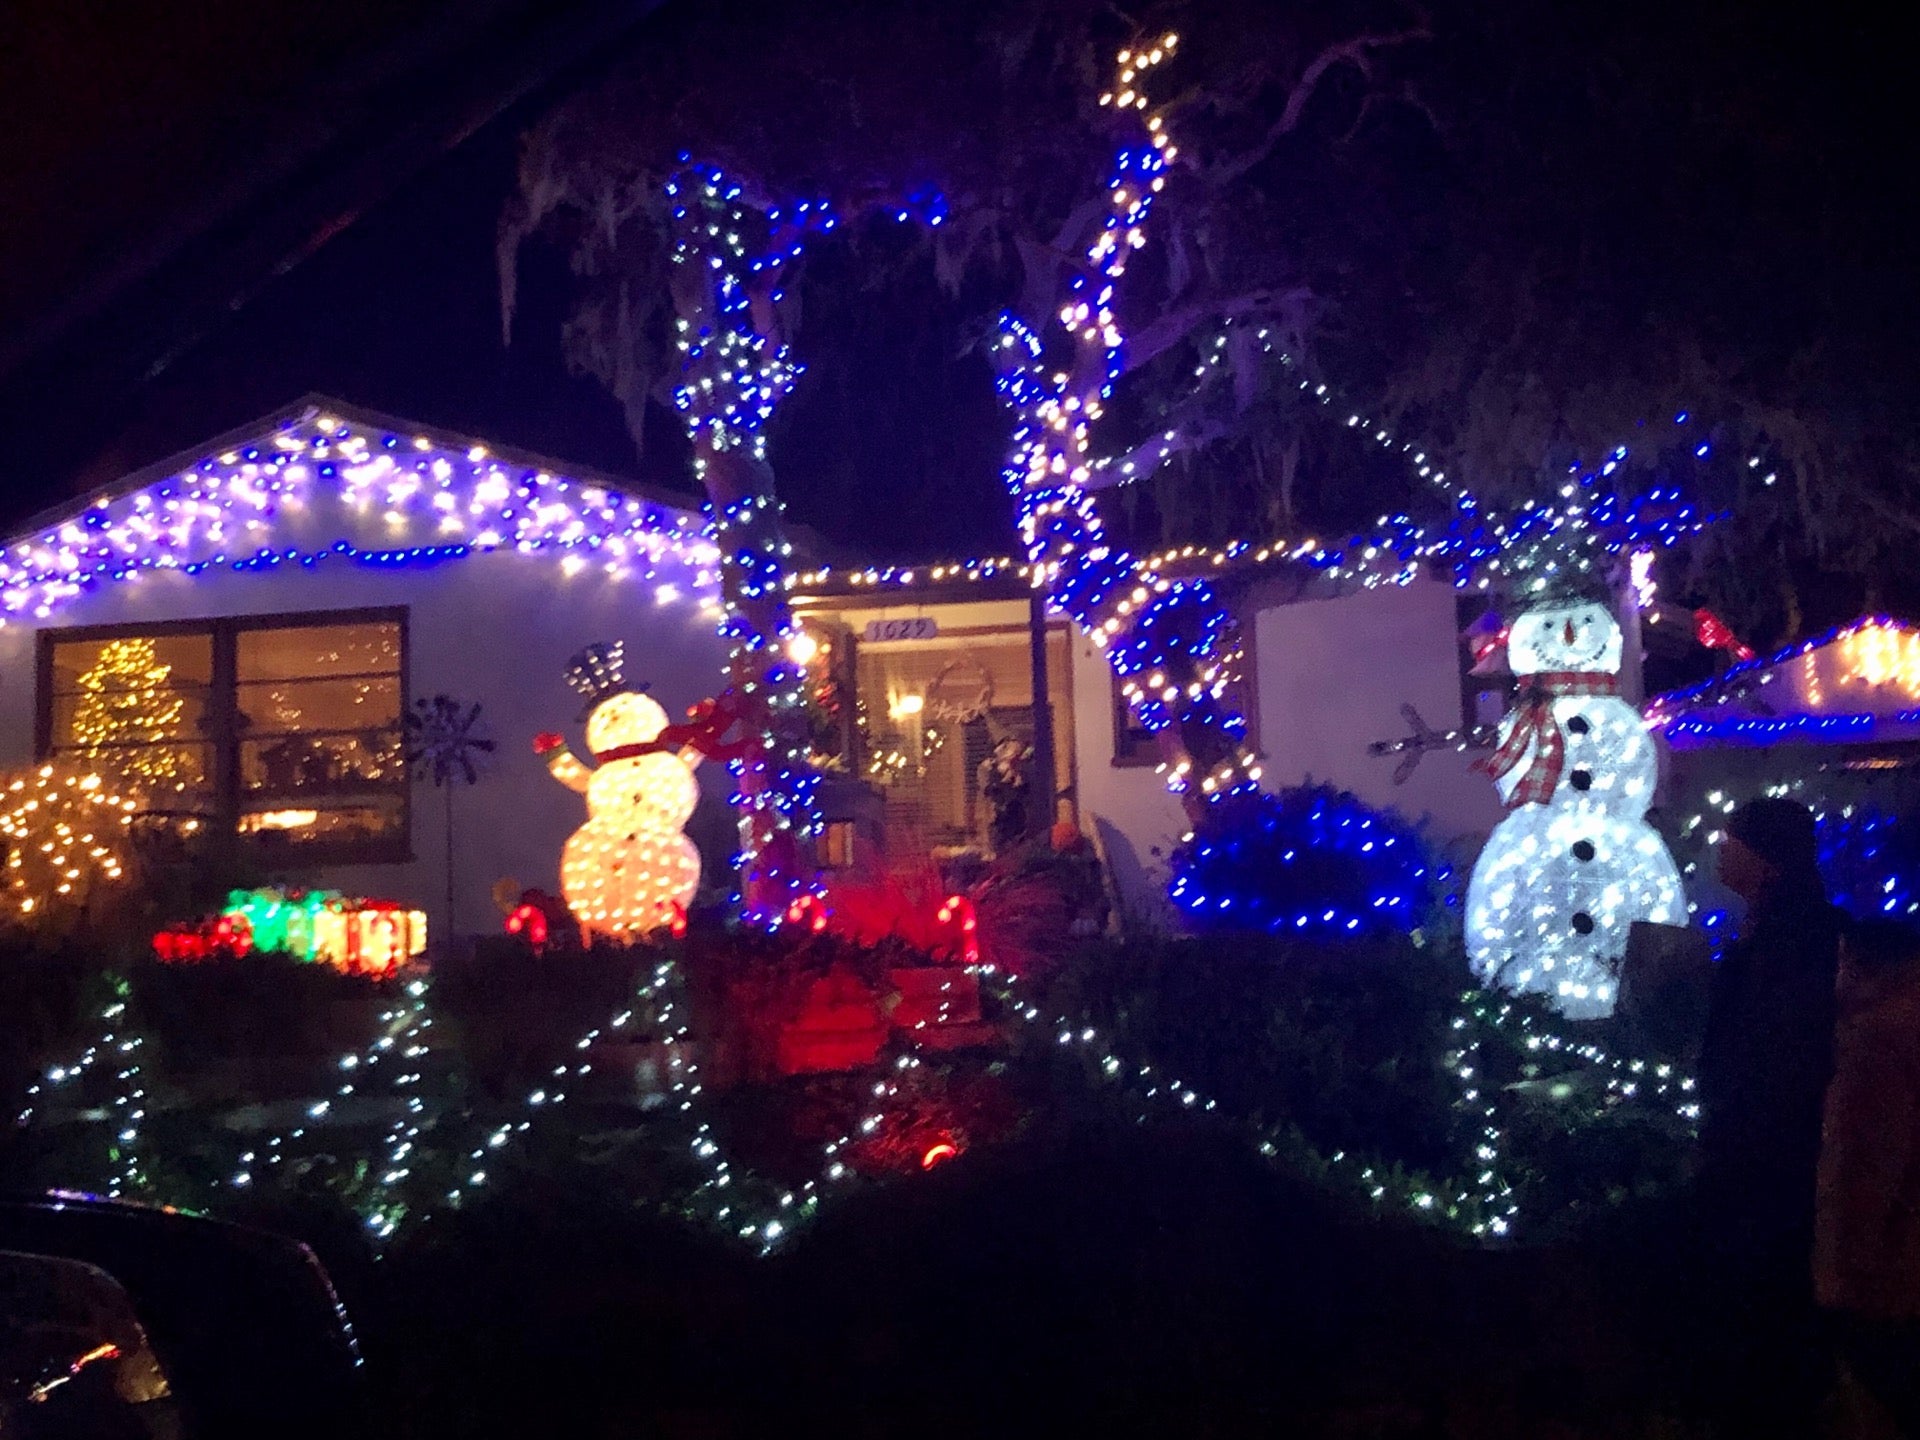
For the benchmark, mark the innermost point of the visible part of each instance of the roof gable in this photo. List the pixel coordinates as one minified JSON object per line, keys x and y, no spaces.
{"x":323,"y":481}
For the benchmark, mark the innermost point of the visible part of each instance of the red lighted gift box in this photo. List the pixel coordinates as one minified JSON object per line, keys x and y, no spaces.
{"x":839,"y":1027}
{"x":940,"y":995}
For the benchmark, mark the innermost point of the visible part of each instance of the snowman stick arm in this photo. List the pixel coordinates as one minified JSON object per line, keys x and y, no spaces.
{"x":1424,"y":737}
{"x":565,"y":767}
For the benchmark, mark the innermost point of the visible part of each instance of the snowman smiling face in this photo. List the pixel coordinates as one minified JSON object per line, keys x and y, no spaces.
{"x":1577,"y":635}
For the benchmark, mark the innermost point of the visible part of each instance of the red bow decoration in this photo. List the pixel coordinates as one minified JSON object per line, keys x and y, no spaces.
{"x":1714,"y":633}
{"x":1531,"y":722}
{"x":707,"y":722}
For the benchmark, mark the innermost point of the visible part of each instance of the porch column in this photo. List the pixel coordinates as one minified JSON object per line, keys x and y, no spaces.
{"x":1040,"y":790}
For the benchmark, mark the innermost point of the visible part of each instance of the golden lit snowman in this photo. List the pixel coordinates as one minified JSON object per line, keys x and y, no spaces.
{"x":629,"y":869}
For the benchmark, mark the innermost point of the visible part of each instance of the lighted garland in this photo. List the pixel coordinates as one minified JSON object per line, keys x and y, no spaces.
{"x":124,"y":710}
{"x":1889,"y":652}
{"x":1168,"y":636}
{"x":1479,"y":1202}
{"x":1167,"y":639}
{"x":1869,"y":852}
{"x":117,"y":1046}
{"x":740,"y":1205}
{"x":449,"y":501}
{"x":1871,"y":860}
{"x":65,"y":835}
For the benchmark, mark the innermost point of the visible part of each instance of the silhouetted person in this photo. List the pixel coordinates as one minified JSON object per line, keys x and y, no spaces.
{"x":1867,"y":1226}
{"x":1764,"y":1066}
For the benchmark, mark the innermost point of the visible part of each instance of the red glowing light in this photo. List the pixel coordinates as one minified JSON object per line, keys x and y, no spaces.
{"x":528,"y":921}
{"x":810,"y":911}
{"x":1714,"y":633}
{"x":945,"y":1150}
{"x":204,"y":939}
{"x":961,"y":907}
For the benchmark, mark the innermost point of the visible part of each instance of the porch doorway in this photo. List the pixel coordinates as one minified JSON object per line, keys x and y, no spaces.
{"x":949,"y":751}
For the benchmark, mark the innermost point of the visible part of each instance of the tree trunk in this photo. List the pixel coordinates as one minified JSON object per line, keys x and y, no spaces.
{"x":734,"y":370}
{"x":763,"y":684}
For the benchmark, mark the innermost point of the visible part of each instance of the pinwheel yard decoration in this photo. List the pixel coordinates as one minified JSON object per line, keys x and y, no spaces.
{"x":446,"y":744}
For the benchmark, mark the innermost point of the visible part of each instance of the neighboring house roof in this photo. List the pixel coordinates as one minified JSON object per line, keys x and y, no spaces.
{"x":1858,"y":682}
{"x":222,"y":504}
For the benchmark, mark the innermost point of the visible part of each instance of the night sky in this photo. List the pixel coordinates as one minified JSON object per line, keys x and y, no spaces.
{"x":398,"y":310}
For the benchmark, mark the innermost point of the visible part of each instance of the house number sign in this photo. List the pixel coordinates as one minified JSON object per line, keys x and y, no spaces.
{"x":917,"y":629}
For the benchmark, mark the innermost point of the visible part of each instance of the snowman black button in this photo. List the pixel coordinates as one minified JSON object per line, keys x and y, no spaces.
{"x":1583,"y":922}
{"x":1583,"y":850}
{"x":1581,"y":779}
{"x":1577,"y":725}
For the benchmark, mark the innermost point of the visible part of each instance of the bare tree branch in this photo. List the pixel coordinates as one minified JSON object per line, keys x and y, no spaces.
{"x":1181,"y":438}
{"x":1357,"y":51}
{"x":1155,"y":339}
{"x":1888,"y":511}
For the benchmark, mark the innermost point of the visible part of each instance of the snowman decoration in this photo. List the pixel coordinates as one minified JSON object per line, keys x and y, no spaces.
{"x":1574,"y":864}
{"x":629,"y":869}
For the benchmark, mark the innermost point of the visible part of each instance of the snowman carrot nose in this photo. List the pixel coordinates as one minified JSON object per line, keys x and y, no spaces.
{"x":1569,"y":632}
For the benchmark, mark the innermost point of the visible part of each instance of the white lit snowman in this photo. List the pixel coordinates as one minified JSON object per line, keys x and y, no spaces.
{"x":629,"y":869}
{"x":1574,"y":864}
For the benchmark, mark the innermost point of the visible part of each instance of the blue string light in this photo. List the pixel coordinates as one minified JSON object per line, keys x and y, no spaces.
{"x":1870,"y":860}
{"x":1775,"y":730}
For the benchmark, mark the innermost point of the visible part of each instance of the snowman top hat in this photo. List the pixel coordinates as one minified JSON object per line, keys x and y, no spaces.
{"x":1552,"y":558}
{"x":595,"y":671}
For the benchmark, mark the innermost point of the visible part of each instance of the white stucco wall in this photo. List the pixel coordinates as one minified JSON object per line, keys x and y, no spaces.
{"x":496,"y":628}
{"x":1332,"y":676}
{"x":1126,"y":809}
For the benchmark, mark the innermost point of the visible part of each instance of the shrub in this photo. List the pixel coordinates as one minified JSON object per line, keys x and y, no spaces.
{"x":253,"y":1027}
{"x":1346,"y":1042}
{"x":1310,"y":861}
{"x":1871,"y":860}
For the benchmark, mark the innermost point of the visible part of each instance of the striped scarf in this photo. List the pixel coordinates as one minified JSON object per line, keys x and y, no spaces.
{"x":1531,"y":723}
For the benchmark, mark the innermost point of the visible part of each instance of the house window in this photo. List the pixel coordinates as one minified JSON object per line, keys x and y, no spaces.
{"x":838,"y":850}
{"x":283,"y":729}
{"x":1133,"y":743}
{"x":1486,"y":689}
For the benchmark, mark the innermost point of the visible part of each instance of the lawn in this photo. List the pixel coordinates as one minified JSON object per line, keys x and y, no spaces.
{"x":1194,"y":1187}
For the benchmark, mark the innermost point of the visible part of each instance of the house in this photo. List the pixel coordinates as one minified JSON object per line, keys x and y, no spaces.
{"x":1852,"y":687}
{"x":1833,"y":721}
{"x":1833,"y":718}
{"x":241,"y":632}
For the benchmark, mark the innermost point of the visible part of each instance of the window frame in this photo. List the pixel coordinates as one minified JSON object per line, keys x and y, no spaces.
{"x":1468,"y":610}
{"x":222,"y":711}
{"x":1134,"y":746}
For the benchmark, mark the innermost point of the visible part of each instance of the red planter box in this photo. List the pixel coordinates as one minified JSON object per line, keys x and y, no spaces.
{"x":933,"y":996}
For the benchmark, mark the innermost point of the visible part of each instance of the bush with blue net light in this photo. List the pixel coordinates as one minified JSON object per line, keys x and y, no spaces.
{"x":1311,"y":860}
{"x":1871,"y":861}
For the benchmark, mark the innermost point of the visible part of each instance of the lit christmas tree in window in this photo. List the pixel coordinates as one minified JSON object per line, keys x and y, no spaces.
{"x":125,"y":713}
